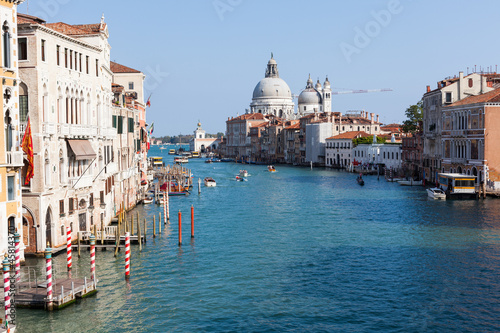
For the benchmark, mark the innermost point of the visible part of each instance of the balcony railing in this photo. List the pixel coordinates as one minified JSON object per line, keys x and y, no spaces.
{"x":81,"y":182}
{"x":458,"y":132}
{"x":49,"y":128}
{"x":15,"y":158}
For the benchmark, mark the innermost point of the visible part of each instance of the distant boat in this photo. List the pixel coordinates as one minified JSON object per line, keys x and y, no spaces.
{"x":209,"y":160}
{"x":243,"y":173}
{"x":209,"y":182}
{"x":360,"y":180}
{"x":181,"y":160}
{"x":271,"y":168}
{"x":147,"y":201}
{"x":410,"y":182}
{"x":171,"y":152}
{"x":240,"y":179}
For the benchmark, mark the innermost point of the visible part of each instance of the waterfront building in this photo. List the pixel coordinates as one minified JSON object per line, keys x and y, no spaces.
{"x":66,"y":81}
{"x":201,"y":143}
{"x":237,"y":134}
{"x":11,"y":155}
{"x":272,"y":95}
{"x":387,"y":155}
{"x":470,"y":138}
{"x":411,"y":150}
{"x":448,"y":91}
{"x":130,"y":145}
{"x":290,"y":140}
{"x":338,"y":148}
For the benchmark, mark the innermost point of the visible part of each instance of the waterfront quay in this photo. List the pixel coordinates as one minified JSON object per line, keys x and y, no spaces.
{"x":296,"y":250}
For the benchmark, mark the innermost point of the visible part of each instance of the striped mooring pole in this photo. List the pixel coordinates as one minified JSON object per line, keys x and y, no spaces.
{"x":165,"y":203}
{"x":92,"y":258}
{"x":180,"y":228}
{"x":68,"y":248}
{"x":48,"y":272}
{"x":17,"y":242}
{"x":6,"y":287}
{"x":127,"y":255}
{"x":168,"y":203}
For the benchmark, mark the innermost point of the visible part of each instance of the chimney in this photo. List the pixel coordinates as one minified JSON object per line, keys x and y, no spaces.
{"x":372,"y":115}
{"x":439,"y":85}
{"x":377,"y":119}
{"x":428,"y":88}
{"x":461,"y":85}
{"x":366,"y":115}
{"x":484,"y":83}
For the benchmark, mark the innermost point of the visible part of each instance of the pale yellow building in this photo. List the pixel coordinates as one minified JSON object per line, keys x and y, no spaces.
{"x":11,"y":155}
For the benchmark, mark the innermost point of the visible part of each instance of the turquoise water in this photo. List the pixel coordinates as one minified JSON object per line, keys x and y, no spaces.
{"x":298,"y":250}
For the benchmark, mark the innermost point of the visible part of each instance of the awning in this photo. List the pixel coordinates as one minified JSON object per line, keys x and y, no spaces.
{"x":82,"y":149}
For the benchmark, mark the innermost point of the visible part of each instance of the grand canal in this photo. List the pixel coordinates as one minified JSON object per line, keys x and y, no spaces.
{"x":297,"y":250}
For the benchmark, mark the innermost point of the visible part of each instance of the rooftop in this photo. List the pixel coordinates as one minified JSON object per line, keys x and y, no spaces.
{"x":350,"y":135}
{"x":117,"y":68}
{"x":489,"y":97}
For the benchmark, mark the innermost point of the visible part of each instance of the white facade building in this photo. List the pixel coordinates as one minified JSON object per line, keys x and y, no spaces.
{"x":65,"y":73}
{"x":339,"y":149}
{"x":201,"y":143}
{"x":388,"y":155}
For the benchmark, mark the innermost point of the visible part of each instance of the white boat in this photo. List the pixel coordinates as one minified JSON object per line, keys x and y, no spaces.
{"x":436,"y":193}
{"x":209,"y":182}
{"x":181,"y":160}
{"x":147,"y":201}
{"x":243,"y":173}
{"x":410,"y":182}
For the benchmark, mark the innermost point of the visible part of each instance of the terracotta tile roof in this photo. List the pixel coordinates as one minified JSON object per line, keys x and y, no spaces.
{"x":294,"y":126}
{"x":117,"y":68}
{"x":249,"y":116}
{"x":117,"y":87}
{"x":25,"y":18}
{"x":489,"y":97}
{"x":350,"y":135}
{"x":92,"y":28}
{"x":67,"y":29}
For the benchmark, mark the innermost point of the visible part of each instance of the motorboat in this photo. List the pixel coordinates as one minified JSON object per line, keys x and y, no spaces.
{"x":436,"y":193}
{"x":241,"y":179}
{"x":147,"y":201}
{"x":181,"y":160}
{"x":271,"y":168}
{"x":410,"y":182}
{"x":209,"y":160}
{"x":209,"y":182}
{"x":171,"y":152}
{"x":243,"y":173}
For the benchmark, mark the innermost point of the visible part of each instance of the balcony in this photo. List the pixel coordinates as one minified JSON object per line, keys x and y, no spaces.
{"x":81,"y":182}
{"x":458,"y":133}
{"x":49,"y":128}
{"x":459,"y":160}
{"x":14,"y":159}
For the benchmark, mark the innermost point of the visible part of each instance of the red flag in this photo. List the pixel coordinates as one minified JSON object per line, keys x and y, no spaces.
{"x":148,"y":103}
{"x":27,"y":146}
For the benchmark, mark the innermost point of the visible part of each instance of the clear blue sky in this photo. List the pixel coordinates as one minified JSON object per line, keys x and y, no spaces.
{"x":203,"y":58}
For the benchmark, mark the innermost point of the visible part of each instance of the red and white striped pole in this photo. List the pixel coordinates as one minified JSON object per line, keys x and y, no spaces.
{"x":168,"y":203}
{"x":180,"y":228}
{"x":6,"y":288}
{"x":68,"y":248}
{"x":165,"y":203}
{"x":48,"y":273}
{"x":127,"y":255}
{"x":92,"y":258}
{"x":17,"y":242}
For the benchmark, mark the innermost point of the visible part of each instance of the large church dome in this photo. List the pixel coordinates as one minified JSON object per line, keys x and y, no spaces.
{"x":272,"y":87}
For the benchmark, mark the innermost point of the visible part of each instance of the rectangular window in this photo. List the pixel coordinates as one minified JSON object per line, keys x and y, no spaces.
{"x":131,"y":86}
{"x":114,"y":122}
{"x":61,"y":207}
{"x":130,"y":125}
{"x":43,"y":49}
{"x":80,"y":62}
{"x":120,"y":125}
{"x":22,"y":45}
{"x":91,"y":201}
{"x":11,"y":188}
{"x":87,"y":63}
{"x":448,"y":97}
{"x":76,"y":61}
{"x":101,"y":197}
{"x":70,"y":59}
{"x":97,"y":67}
{"x":58,"y":59}
{"x":65,"y":57}
{"x":71,"y":205}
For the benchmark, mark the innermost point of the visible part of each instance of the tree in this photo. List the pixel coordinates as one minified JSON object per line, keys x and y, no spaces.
{"x":414,"y":117}
{"x":367,"y":140}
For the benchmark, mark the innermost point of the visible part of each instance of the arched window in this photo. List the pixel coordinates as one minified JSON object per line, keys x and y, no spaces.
{"x":23,"y":103}
{"x":6,"y":45}
{"x":8,"y":131}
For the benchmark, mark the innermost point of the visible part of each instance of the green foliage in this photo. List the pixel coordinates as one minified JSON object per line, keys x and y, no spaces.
{"x":367,"y":140}
{"x":414,"y":117}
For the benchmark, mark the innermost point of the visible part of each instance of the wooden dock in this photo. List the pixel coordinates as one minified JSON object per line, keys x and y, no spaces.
{"x":64,"y":292}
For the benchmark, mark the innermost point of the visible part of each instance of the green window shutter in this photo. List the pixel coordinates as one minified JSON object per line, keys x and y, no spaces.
{"x":120,"y":125}
{"x":114,"y":122}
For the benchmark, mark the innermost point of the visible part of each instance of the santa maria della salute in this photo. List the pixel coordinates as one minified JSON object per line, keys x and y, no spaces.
{"x":272,"y":96}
